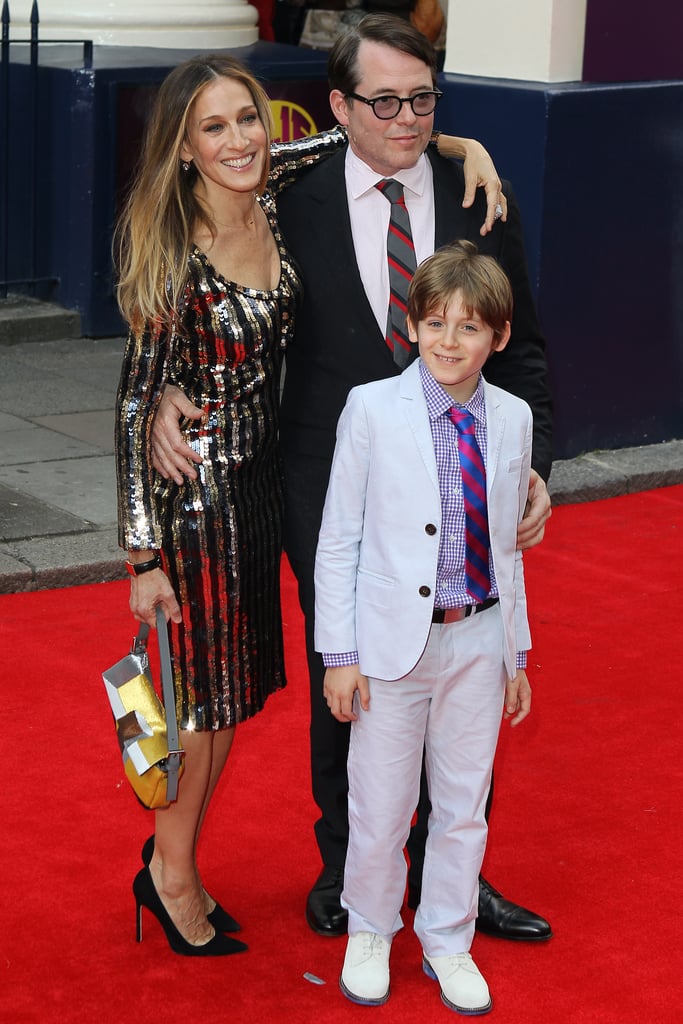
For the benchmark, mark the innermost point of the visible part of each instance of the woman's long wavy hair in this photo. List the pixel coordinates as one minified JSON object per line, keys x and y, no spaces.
{"x":153,"y":236}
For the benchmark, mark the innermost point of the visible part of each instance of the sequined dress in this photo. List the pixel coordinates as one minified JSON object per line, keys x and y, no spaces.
{"x":219,"y":536}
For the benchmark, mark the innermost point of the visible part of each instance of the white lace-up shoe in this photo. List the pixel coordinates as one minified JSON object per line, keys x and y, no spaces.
{"x":365,"y":974}
{"x":463,"y":988}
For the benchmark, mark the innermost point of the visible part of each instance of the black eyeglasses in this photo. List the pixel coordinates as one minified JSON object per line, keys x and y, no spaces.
{"x":386,"y":107}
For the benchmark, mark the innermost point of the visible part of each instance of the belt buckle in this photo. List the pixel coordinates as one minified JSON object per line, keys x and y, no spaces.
{"x":456,"y":614}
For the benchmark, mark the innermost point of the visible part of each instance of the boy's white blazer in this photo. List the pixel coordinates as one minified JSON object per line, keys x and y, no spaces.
{"x":375,"y":573}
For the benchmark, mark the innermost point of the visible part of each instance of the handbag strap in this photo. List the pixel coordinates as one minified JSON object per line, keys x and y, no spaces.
{"x":175,"y":752}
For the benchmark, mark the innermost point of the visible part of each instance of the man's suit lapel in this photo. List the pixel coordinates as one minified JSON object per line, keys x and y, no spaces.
{"x":451,"y":221}
{"x":327,"y":188}
{"x":333,"y":227}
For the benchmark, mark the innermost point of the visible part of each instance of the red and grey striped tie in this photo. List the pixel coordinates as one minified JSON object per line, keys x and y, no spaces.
{"x":402,"y":265}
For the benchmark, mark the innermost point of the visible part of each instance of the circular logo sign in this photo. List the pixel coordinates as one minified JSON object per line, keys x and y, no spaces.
{"x":291,"y":121}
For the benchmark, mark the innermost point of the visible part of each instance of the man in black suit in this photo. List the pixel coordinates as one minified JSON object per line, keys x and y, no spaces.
{"x":334,"y":223}
{"x":329,"y":220}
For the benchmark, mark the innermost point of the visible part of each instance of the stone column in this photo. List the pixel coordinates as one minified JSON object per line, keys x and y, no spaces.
{"x":533,"y":40}
{"x":171,"y":24}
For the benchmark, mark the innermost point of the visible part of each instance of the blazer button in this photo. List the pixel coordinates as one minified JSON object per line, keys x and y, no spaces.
{"x":425,"y":591}
{"x":430,"y":529}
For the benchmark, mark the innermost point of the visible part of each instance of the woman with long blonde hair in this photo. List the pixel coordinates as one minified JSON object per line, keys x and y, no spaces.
{"x":208,"y":291}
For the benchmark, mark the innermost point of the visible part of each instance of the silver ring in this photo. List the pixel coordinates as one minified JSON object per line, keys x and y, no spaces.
{"x":498,"y":212}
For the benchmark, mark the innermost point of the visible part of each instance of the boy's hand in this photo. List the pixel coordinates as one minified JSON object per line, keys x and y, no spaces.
{"x":517,"y":697}
{"x":537,"y":513}
{"x":339,"y":686}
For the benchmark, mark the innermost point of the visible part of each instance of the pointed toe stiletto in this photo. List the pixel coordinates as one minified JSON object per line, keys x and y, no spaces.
{"x":147,"y":896}
{"x":221,"y":920}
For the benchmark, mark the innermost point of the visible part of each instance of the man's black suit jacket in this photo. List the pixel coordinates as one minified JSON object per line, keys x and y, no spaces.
{"x":338,"y":344}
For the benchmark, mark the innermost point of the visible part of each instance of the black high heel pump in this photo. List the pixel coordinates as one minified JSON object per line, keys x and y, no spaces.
{"x":219,"y":918}
{"x":147,"y":896}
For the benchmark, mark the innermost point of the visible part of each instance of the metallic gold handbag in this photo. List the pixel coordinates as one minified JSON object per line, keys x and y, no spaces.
{"x":147,"y":730}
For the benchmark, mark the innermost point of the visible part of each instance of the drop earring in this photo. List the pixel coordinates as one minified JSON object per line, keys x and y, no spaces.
{"x":186,"y":166}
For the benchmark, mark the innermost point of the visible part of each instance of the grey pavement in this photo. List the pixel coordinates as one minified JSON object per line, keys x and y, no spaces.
{"x":57,"y":478}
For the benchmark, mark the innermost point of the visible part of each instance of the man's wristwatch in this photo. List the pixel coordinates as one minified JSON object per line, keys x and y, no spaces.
{"x":137,"y":568}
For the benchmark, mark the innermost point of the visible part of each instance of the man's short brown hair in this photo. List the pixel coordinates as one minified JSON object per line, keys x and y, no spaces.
{"x":342,"y":65}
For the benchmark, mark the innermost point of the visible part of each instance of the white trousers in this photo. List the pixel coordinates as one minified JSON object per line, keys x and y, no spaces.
{"x":451,"y":706}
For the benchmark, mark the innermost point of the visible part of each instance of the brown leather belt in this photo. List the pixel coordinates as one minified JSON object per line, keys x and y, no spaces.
{"x":446,"y":615}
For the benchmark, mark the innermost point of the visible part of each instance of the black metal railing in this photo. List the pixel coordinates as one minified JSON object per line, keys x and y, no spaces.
{"x":29,"y":237}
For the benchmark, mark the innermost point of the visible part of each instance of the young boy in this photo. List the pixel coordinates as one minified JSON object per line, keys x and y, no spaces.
{"x":421,"y":619}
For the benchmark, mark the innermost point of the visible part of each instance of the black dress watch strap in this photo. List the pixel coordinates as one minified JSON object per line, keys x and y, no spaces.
{"x":138,"y":568}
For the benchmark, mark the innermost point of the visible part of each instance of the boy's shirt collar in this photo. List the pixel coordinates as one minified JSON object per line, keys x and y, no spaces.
{"x":439,"y":401}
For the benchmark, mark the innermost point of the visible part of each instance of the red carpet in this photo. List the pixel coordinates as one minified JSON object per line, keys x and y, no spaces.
{"x":586,"y":825}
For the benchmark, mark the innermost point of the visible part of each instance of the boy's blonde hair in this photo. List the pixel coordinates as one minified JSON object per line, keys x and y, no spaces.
{"x":481,"y":281}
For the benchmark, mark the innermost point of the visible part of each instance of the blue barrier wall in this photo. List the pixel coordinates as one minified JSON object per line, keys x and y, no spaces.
{"x":597,"y":170}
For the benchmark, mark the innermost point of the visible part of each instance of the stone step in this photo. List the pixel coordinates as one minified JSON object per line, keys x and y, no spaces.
{"x":23,"y":318}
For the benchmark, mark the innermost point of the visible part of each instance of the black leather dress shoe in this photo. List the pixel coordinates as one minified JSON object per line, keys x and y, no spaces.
{"x":506,"y":920}
{"x":324,"y":912}
{"x":499,"y":917}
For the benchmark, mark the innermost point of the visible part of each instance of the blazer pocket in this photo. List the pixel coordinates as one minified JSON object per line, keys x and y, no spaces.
{"x":375,"y":589}
{"x":514,"y":465}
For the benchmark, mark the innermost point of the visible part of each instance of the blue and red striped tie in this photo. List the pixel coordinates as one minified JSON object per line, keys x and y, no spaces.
{"x":402,"y":265}
{"x":477,"y":576}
